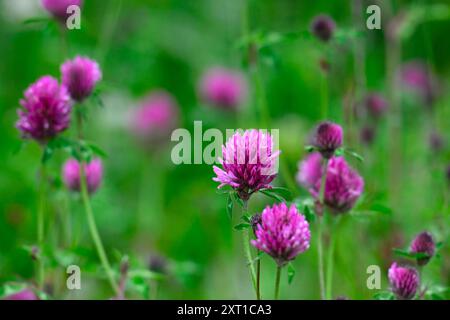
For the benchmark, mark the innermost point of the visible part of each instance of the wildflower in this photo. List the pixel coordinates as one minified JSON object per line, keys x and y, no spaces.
{"x":25,"y":294}
{"x":58,"y":8}
{"x":327,"y":138}
{"x":93,"y":171}
{"x":155,"y":119}
{"x":418,"y":77}
{"x":375,"y":104}
{"x":367,"y":134}
{"x":343,"y":185}
{"x":80,"y":76}
{"x":404,"y":281}
{"x":323,"y":27}
{"x":248,"y":161}
{"x":283,"y":233}
{"x":223,"y":88}
{"x":423,"y":243}
{"x":46,"y":110}
{"x":310,"y":170}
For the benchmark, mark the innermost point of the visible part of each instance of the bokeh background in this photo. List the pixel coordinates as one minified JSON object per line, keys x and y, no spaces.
{"x":150,"y":209}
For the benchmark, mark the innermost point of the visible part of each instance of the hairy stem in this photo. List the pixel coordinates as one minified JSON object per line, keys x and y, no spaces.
{"x":258,"y":278}
{"x":40,"y":223}
{"x":90,"y":215}
{"x":248,"y":253}
{"x":94,"y":232}
{"x":324,"y":95}
{"x":319,"y":229}
{"x":320,"y":255}
{"x":277,"y":283}
{"x":330,"y":262}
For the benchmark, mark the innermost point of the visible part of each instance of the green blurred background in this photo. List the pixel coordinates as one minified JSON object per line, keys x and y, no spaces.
{"x":148,"y":206}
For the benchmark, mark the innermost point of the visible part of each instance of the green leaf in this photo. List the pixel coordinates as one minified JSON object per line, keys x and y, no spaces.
{"x":407,"y":254}
{"x":277,"y":193}
{"x":242,"y":226}
{"x":380,"y":208}
{"x":36,"y":20}
{"x":339,"y":152}
{"x":437,"y":292}
{"x":384,"y":295}
{"x":144,"y":274}
{"x":247,"y":218}
{"x":354,"y":155}
{"x":310,"y":148}
{"x":48,"y":153}
{"x":290,"y":273}
{"x":237,"y":199}
{"x":306,"y":207}
{"x":309,"y":214}
{"x":230,"y":206}
{"x":97,"y":150}
{"x":283,"y":192}
{"x":59,"y":143}
{"x":272,"y":195}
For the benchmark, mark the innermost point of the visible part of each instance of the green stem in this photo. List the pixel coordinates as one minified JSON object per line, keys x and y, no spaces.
{"x":258,"y":278}
{"x":393,"y":60}
{"x":277,"y":283}
{"x":319,"y":229}
{"x":320,"y":255}
{"x":94,"y":232}
{"x":248,"y":253}
{"x":108,"y":31}
{"x":64,"y":42}
{"x":261,"y":97}
{"x":330,"y":263}
{"x":324,"y":95}
{"x":67,"y":221}
{"x":40,"y":224}
{"x":90,"y":215}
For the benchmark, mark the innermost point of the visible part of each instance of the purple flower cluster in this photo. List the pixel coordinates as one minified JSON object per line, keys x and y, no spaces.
{"x":376,"y":105}
{"x":323,"y":27}
{"x":46,"y":110}
{"x":283,"y":233}
{"x":80,"y":76}
{"x":343,"y":185}
{"x":404,"y":281}
{"x":25,"y":294}
{"x":423,"y":243}
{"x":47,"y":104}
{"x":327,"y":138}
{"x":248,"y":161}
{"x":156,"y":117}
{"x":58,"y":8}
{"x":418,"y":77}
{"x":223,"y":88}
{"x":93,"y":171}
{"x":310,"y":170}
